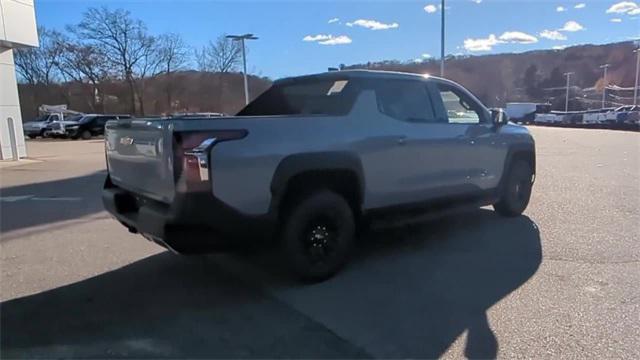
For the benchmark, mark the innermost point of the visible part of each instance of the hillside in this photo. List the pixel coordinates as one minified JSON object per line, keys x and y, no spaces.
{"x":184,"y":91}
{"x":496,"y":79}
{"x":502,"y":78}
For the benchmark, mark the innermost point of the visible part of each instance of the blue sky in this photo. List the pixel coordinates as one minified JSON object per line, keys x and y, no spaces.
{"x":370,"y":30}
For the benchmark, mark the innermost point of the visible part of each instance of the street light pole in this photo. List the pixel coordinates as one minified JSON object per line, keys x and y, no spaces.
{"x":566,"y":103}
{"x":442,"y":39}
{"x":635,"y":88}
{"x":242,"y":38}
{"x":244,"y":72}
{"x":604,"y":86}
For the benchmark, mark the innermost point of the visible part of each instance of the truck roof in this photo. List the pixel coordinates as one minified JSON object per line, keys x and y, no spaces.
{"x":367,"y":74}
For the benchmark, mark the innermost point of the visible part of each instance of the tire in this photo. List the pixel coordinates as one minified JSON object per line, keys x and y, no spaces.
{"x":516,"y":191}
{"x":85,"y":135}
{"x":318,"y":235}
{"x":31,"y":136}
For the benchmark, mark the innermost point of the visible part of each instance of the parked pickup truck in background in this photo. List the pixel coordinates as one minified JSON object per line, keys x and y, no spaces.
{"x":311,"y":160}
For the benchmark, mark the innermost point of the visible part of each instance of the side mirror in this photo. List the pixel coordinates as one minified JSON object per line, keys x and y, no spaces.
{"x":499,"y":117}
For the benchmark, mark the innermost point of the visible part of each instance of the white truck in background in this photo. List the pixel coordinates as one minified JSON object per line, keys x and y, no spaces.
{"x":525,"y":113}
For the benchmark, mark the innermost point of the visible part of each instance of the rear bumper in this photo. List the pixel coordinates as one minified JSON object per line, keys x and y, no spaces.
{"x":193,"y":223}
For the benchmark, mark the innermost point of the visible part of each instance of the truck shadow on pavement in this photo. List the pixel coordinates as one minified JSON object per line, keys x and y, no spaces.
{"x":51,"y":201}
{"x":409,"y":292}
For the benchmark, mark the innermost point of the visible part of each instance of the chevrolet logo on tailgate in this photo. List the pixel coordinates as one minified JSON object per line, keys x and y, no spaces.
{"x":126,"y":140}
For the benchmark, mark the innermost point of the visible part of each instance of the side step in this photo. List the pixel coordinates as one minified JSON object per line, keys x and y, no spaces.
{"x":425,"y":214}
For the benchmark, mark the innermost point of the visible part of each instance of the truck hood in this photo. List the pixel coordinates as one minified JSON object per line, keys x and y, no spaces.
{"x":34,"y":124}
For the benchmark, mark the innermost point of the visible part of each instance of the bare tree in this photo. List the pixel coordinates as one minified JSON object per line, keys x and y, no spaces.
{"x":38,"y":65}
{"x":121,"y":38}
{"x":222,"y":55}
{"x":85,"y":64}
{"x":173,"y":54}
{"x":150,"y":64}
{"x":200,"y":57}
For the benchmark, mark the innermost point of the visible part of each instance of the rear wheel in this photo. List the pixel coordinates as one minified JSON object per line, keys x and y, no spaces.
{"x":318,"y":235}
{"x":516,"y":191}
{"x":85,"y":135}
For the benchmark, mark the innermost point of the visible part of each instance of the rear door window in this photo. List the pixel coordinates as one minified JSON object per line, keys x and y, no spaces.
{"x":405,"y":100}
{"x":306,"y":97}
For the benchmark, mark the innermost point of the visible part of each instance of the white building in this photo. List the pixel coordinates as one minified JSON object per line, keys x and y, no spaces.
{"x":17,"y":29}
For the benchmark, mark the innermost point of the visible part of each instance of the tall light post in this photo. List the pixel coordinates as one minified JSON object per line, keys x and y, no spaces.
{"x":604,"y":86}
{"x":242,"y":38}
{"x":442,"y":39}
{"x":566,"y":103}
{"x":635,"y":88}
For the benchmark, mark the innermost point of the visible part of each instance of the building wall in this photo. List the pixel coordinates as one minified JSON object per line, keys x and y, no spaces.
{"x":18,"y":23}
{"x":9,"y":107}
{"x":17,"y":29}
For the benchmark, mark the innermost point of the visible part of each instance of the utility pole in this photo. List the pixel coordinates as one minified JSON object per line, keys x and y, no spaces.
{"x":442,"y":39}
{"x":242,"y":38}
{"x":566,"y":103}
{"x":604,"y":86}
{"x":635,"y":88}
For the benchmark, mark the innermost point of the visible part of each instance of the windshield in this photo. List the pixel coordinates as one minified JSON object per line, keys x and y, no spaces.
{"x":40,"y":118}
{"x":85,"y":119}
{"x":74,"y":118}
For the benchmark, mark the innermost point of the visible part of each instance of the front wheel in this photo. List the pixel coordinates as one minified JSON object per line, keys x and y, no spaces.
{"x":318,"y":235}
{"x":85,"y":135}
{"x":516,"y":190}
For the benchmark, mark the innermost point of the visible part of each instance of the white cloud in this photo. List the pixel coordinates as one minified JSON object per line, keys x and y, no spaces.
{"x":331,"y":21}
{"x":518,"y":37}
{"x":635,"y":11}
{"x":572,"y":26}
{"x":559,"y":47}
{"x":477,"y":1}
{"x":430,"y":9}
{"x":580,"y":6}
{"x":508,"y":37}
{"x":482,"y":44}
{"x":616,"y":20}
{"x":373,"y":25}
{"x":622,"y":7}
{"x":553,"y":35}
{"x":338,"y":40}
{"x":323,"y":39}
{"x":318,"y":37}
{"x":560,"y":9}
{"x":426,"y":56}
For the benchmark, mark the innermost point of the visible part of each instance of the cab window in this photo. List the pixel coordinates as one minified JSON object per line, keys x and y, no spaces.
{"x":460,"y":108}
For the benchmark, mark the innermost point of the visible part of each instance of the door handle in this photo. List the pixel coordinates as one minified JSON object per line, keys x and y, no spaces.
{"x":401,"y":140}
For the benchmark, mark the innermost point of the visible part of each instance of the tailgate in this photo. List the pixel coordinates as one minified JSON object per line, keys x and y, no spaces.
{"x":139,"y":157}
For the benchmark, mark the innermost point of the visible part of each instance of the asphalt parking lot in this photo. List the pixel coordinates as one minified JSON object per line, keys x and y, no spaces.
{"x":559,"y":282}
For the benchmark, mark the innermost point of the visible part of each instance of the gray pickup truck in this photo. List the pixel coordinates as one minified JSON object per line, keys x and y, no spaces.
{"x":313,"y":159}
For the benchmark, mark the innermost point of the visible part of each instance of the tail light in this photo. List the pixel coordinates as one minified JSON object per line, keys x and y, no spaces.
{"x":191,"y":155}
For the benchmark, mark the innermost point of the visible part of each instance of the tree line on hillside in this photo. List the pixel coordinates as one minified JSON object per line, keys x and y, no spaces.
{"x":110,"y":62}
{"x":109,"y":59}
{"x":535,"y":76}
